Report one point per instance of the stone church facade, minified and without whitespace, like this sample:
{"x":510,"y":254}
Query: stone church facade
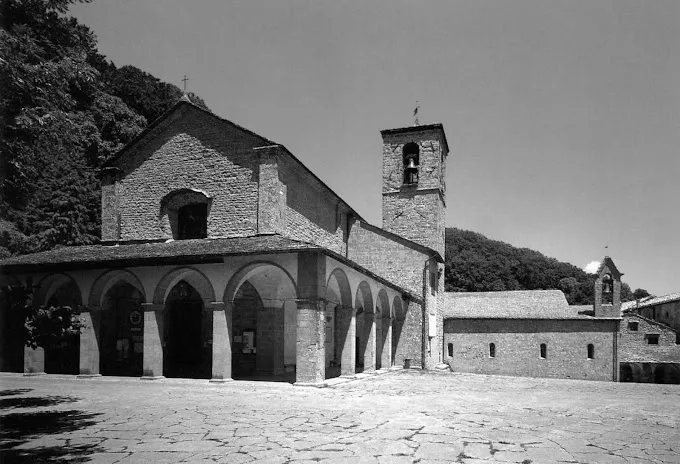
{"x":222,"y":256}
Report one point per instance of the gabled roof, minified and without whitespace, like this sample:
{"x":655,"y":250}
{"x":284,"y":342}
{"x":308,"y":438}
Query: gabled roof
{"x":650,"y":301}
{"x":522,"y":304}
{"x":404,"y":241}
{"x":631,"y":315}
{"x":609,"y":264}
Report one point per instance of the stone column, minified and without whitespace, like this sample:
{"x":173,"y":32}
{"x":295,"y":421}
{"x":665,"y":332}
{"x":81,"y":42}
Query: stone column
{"x":269,"y":337}
{"x":34,"y":361}
{"x":310,"y":358}
{"x":369,"y":331}
{"x":90,"y":318}
{"x":310,"y":352}
{"x":153,"y":341}
{"x":221,"y":345}
{"x":386,"y":355}
{"x":347,"y":331}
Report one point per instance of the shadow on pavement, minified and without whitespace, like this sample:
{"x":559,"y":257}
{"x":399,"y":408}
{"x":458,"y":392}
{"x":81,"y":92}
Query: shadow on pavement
{"x":16,"y":391}
{"x":18,"y":428}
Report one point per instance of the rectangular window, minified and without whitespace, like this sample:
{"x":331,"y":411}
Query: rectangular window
{"x":433,"y":283}
{"x":633,"y":326}
{"x":652,"y":339}
{"x":544,"y":351}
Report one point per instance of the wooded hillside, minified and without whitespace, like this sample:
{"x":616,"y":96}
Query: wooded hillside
{"x":475,"y":263}
{"x":64,"y":110}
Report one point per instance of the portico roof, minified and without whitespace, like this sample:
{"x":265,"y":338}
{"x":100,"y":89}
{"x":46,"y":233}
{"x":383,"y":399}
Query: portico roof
{"x":172,"y":252}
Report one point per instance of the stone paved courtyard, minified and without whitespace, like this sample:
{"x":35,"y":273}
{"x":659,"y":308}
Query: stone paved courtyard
{"x":396,"y":417}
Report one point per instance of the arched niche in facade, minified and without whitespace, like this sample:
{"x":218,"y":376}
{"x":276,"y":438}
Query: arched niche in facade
{"x":263,"y":296}
{"x":184,"y":214}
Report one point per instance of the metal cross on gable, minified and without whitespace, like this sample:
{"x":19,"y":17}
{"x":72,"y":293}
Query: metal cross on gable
{"x":185,"y":80}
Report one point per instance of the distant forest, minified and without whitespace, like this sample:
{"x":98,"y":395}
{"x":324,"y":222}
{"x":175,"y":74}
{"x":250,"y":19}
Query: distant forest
{"x":475,"y":263}
{"x":65,"y":109}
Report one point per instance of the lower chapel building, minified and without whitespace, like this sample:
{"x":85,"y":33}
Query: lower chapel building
{"x":223,"y":257}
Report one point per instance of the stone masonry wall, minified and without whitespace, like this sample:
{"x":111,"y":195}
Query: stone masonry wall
{"x":196,"y":151}
{"x":407,"y":338}
{"x":387,"y":257}
{"x":633,"y":346}
{"x":416,"y":212}
{"x":668,"y":313}
{"x":518,"y":347}
{"x":311,"y":212}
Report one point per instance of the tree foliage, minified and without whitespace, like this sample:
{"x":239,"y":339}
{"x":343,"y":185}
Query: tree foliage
{"x":64,"y":110}
{"x":44,"y":326}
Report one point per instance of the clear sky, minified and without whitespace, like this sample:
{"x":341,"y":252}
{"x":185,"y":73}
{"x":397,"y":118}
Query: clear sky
{"x":563,"y":117}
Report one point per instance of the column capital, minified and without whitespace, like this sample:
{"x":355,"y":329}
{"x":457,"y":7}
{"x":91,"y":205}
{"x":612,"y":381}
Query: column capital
{"x":216,"y":306}
{"x":308,"y":303}
{"x":149,"y":307}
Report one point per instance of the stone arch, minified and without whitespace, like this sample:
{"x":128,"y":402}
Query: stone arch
{"x":107,"y":280}
{"x":187,"y":295}
{"x":366,"y":328}
{"x":398,"y":316}
{"x":60,"y":290}
{"x":190,"y":275}
{"x":263,"y":296}
{"x":338,"y":319}
{"x":338,"y":289}
{"x":383,"y":330}
{"x":50,"y":284}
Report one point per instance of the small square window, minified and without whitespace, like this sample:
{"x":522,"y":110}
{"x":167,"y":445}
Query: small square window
{"x":633,"y":326}
{"x":652,"y":339}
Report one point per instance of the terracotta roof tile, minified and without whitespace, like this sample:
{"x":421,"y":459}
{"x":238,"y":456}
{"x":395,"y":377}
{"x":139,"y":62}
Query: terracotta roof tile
{"x":198,"y":248}
{"x":523,"y":304}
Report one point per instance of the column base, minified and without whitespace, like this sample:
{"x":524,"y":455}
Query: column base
{"x":348,"y":376}
{"x":221,"y":380}
{"x":154,"y":377}
{"x":34,"y":374}
{"x":87,"y":376}
{"x":310,"y":384}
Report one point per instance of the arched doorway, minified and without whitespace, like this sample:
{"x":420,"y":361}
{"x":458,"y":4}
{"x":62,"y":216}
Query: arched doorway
{"x":626,"y":373}
{"x":188,"y":330}
{"x":399,"y":315}
{"x":122,"y":331}
{"x":264,"y":323}
{"x":57,"y":290}
{"x":366,"y":336}
{"x":384,"y":331}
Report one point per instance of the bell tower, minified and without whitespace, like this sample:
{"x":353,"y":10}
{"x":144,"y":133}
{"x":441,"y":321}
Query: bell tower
{"x":414,"y":189}
{"x":608,"y":290}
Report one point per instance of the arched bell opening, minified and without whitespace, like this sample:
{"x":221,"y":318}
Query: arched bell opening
{"x":366,"y":336}
{"x":122,"y":334}
{"x":187,"y":334}
{"x":264,"y":323}
{"x":64,"y":357}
